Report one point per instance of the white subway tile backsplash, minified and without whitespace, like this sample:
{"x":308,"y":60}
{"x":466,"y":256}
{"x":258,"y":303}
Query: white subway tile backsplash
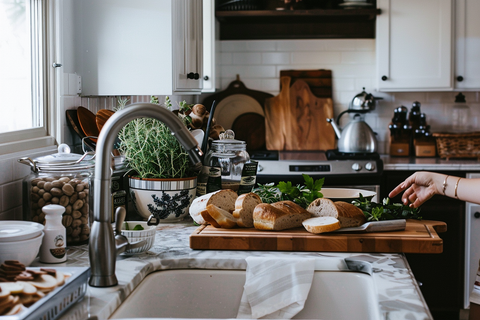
{"x":260,"y":45}
{"x":12,"y":195}
{"x":248,"y":71}
{"x":305,"y":58}
{"x":247,"y":58}
{"x":358,"y":58}
{"x":6,"y":171}
{"x":226,"y":58}
{"x":275,"y":58}
{"x":233,"y":46}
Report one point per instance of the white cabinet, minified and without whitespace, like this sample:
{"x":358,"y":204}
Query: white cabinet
{"x":141,"y":47}
{"x":414,"y":45}
{"x":210,"y":47}
{"x":467,"y":44}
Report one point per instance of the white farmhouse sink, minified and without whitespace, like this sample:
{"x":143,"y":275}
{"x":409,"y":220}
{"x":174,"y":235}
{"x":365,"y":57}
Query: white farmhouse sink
{"x":199,"y":293}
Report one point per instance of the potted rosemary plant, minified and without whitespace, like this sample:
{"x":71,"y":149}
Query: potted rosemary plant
{"x":162,"y":181}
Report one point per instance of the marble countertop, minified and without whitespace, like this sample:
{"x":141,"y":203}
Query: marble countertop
{"x":437,"y":164}
{"x":398,"y":293}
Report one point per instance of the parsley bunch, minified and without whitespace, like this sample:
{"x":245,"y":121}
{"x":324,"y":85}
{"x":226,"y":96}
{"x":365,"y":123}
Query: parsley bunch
{"x":302,"y":195}
{"x":386,"y":210}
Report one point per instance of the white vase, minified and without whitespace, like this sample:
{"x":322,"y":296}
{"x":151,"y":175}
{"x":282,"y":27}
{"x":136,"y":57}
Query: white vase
{"x":165,"y":200}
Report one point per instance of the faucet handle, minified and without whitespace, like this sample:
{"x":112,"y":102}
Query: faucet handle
{"x":120,"y":214}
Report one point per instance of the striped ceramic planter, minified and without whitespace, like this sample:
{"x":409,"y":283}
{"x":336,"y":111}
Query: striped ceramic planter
{"x":167,"y":200}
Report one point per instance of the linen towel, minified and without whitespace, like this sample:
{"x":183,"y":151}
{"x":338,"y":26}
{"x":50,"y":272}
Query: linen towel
{"x":275,"y":288}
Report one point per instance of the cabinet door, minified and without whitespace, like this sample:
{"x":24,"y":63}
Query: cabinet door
{"x":467,"y":44}
{"x":414,"y":45}
{"x":188,"y":43}
{"x":210,"y":47}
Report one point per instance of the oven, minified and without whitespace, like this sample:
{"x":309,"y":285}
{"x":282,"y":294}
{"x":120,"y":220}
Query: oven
{"x":345,"y":170}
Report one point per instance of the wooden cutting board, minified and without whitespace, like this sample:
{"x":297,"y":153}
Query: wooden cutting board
{"x":419,"y":236}
{"x":297,"y":120}
{"x":319,"y":81}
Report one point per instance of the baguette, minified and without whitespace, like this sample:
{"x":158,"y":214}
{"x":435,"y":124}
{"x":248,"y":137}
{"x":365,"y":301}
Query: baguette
{"x":348,"y":214}
{"x":321,"y":224}
{"x":224,"y":199}
{"x":244,"y":206}
{"x":208,"y":218}
{"x":279,"y":216}
{"x":223,"y":218}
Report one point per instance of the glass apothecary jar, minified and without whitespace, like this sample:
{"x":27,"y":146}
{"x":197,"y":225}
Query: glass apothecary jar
{"x":223,"y":164}
{"x":65,"y":179}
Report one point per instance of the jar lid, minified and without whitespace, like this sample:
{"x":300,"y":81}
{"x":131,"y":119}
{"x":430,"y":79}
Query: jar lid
{"x":63,"y":160}
{"x":19,"y":230}
{"x":228,"y":142}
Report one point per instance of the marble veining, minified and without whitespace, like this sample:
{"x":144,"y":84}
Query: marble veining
{"x":398,"y":293}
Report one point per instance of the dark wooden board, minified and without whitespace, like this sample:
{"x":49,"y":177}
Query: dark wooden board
{"x":419,"y":236}
{"x":319,"y":81}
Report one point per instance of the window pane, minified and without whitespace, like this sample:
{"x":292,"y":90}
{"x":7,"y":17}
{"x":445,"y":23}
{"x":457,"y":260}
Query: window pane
{"x":18,"y":39}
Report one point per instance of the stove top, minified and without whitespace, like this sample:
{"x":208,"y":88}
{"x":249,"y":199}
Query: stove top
{"x":331,"y":162}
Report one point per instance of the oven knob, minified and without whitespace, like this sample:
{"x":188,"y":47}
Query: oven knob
{"x":356,"y":166}
{"x":370,"y":166}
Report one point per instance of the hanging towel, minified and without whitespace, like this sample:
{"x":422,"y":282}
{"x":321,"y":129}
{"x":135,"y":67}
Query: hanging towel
{"x":275,"y":288}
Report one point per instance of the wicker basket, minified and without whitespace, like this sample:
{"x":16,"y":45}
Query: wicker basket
{"x":458,"y":145}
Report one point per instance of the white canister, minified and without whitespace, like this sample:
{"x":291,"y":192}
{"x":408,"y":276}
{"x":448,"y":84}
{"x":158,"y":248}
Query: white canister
{"x":53,"y":249}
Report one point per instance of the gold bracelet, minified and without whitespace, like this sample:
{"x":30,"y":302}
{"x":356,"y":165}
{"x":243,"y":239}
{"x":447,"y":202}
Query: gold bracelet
{"x":456,"y":186}
{"x":445,"y":185}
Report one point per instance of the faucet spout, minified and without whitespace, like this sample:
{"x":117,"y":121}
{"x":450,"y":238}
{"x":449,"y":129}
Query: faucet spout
{"x":102,"y":247}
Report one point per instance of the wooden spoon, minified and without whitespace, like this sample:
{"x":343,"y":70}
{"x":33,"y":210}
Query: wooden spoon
{"x":102,"y":117}
{"x":88,"y":122}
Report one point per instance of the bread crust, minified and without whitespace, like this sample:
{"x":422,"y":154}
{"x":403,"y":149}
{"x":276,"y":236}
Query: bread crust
{"x":279,"y":216}
{"x":348,"y":214}
{"x":224,"y":199}
{"x":321,"y":224}
{"x":223,"y":218}
{"x":244,"y":206}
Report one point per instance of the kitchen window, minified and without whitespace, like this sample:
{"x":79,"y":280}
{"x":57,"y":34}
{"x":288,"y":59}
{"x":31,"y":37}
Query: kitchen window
{"x":26,"y":82}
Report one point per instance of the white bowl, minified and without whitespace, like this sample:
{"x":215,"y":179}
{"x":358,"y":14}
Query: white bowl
{"x":148,"y":234}
{"x":24,"y":251}
{"x":345,"y":194}
{"x":15,"y":230}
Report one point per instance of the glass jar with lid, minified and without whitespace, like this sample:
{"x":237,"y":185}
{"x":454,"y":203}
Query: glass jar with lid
{"x":65,"y":179}
{"x":224,"y":165}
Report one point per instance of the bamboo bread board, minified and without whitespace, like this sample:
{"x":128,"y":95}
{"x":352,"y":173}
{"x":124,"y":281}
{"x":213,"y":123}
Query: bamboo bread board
{"x":419,"y":236}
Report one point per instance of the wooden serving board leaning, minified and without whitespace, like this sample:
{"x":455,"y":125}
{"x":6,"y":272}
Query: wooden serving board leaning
{"x":419,"y":236}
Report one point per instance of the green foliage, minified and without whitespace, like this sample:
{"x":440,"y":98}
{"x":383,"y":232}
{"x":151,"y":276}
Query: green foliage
{"x":152,"y":151}
{"x":301,"y":195}
{"x":385,"y":211}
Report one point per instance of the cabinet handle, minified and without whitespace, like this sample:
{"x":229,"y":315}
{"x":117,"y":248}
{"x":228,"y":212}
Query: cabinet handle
{"x":192,"y":75}
{"x":206,"y":78}
{"x":476,"y":214}
{"x":459,"y":78}
{"x":384,"y":78}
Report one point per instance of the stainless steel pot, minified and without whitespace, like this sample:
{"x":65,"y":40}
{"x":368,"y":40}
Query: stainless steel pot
{"x":356,"y":137}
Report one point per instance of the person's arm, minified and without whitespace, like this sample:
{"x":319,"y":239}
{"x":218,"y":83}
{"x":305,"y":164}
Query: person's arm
{"x":422,"y":185}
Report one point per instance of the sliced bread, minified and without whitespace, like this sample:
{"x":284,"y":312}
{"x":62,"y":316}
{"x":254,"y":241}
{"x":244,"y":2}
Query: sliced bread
{"x":348,"y":214}
{"x":279,"y":215}
{"x":321,"y":224}
{"x":224,"y":199}
{"x":222,"y":217}
{"x":244,"y":206}
{"x":208,"y":218}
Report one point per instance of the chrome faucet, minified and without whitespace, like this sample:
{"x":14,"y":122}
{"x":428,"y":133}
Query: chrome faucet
{"x":103,"y":244}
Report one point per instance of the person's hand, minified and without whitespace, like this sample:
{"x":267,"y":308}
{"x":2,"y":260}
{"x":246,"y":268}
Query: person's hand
{"x":418,"y":188}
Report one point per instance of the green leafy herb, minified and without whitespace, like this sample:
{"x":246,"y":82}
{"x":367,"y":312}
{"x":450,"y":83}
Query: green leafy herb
{"x":138,"y":227}
{"x":126,"y":226}
{"x":302,"y":195}
{"x":386,"y":210}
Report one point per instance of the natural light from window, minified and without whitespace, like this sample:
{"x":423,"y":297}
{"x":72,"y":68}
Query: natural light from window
{"x":16,"y":66}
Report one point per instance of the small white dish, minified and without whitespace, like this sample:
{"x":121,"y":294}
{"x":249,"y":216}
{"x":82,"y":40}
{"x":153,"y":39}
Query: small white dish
{"x":147,"y":234}
{"x":13,"y":230}
{"x":25,"y":251}
{"x":346,"y":194}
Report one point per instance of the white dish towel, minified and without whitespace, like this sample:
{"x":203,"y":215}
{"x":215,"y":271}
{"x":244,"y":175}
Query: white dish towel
{"x":275,"y":288}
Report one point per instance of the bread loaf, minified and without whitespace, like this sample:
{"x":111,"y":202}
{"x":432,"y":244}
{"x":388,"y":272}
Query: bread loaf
{"x":348,"y":214}
{"x":279,"y":215}
{"x":224,"y":199}
{"x":321,"y":224}
{"x":223,"y":218}
{"x":244,"y":206}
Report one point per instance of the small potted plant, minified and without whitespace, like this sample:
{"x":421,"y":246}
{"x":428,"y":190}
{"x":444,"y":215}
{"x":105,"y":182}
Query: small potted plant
{"x":162,"y":181}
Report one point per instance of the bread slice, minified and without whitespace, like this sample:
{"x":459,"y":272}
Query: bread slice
{"x":321,"y":224}
{"x":348,"y":214}
{"x":244,"y":207}
{"x":279,"y":215}
{"x":208,"y":218}
{"x":223,"y":218}
{"x":224,"y":199}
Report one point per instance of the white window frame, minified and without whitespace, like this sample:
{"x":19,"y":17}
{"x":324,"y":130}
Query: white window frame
{"x":49,"y":50}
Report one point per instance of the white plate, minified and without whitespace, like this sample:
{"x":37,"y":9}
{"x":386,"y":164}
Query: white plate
{"x":229,"y":108}
{"x":19,"y":230}
{"x":346,"y":194}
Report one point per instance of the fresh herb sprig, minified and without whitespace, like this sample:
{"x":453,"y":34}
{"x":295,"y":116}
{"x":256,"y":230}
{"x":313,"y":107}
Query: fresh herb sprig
{"x":302,"y":195}
{"x":386,"y":210}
